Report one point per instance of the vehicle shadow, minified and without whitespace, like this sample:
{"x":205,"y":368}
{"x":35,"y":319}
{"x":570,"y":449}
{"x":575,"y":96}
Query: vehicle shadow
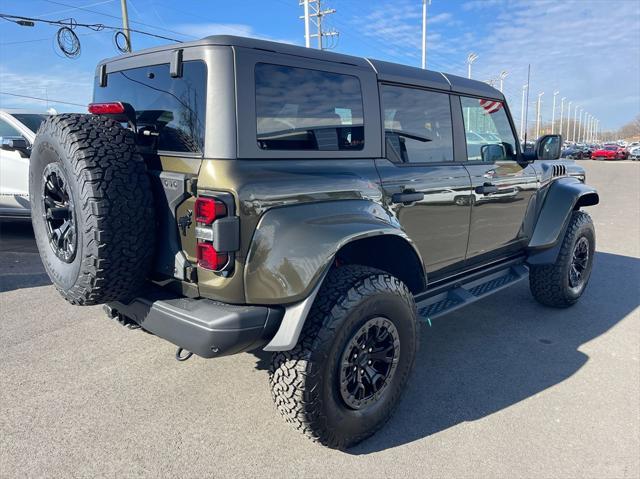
{"x":20,"y":265}
{"x":502,"y":350}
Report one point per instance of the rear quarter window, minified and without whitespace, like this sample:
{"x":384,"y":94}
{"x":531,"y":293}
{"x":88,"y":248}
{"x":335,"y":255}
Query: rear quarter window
{"x":173,"y":107}
{"x":304,"y":109}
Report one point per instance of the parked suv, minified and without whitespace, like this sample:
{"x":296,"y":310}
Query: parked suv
{"x":231,"y":194}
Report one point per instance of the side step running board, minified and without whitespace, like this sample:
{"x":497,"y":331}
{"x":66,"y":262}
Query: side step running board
{"x":464,"y":293}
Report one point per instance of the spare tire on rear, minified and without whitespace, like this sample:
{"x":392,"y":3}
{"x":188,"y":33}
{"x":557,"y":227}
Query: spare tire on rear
{"x":91,"y":208}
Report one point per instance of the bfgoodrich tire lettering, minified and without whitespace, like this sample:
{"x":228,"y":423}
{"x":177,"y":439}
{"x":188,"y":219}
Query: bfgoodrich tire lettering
{"x":111,"y":204}
{"x":553,"y":285}
{"x":305,"y":381}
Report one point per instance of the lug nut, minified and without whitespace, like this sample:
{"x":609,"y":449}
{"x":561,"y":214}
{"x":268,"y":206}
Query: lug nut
{"x":355,"y":355}
{"x":369,"y":362}
{"x":370,"y":349}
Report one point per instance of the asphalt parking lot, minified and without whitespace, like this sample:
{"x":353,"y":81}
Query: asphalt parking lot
{"x":505,"y":388}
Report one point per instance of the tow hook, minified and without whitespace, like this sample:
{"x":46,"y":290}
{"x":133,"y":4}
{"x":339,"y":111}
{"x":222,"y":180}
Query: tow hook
{"x":180,"y":356}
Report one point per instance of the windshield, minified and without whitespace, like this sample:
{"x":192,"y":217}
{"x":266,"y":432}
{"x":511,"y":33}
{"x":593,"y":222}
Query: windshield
{"x":611,"y":148}
{"x":30,"y":120}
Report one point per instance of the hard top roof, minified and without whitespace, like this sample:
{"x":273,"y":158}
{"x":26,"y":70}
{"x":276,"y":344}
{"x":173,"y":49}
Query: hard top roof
{"x":386,"y":71}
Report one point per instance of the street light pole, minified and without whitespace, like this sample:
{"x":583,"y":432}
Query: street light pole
{"x":580,"y":125}
{"x":538,"y":115}
{"x":568,"y":119}
{"x":522,"y":125}
{"x":424,"y":32}
{"x":472,"y":57}
{"x":503,"y":74}
{"x":562,"y":111}
{"x":575,"y":122}
{"x":553,"y":111}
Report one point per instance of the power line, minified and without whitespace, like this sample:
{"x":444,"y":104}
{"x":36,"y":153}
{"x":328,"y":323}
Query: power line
{"x":42,"y":99}
{"x":119,"y":18}
{"x":71,"y":24}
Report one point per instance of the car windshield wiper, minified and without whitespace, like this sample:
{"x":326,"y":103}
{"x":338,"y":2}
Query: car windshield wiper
{"x":405,"y":134}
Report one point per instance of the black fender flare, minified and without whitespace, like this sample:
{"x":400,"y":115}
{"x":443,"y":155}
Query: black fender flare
{"x":564,"y":196}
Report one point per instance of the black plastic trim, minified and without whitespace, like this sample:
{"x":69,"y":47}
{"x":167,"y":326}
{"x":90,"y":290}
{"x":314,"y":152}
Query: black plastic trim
{"x":202,"y":326}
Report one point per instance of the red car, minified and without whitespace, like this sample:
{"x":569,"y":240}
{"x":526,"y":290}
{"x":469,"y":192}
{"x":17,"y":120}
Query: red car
{"x":609,"y":152}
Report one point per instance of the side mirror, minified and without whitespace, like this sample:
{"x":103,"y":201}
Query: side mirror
{"x":492,"y":152}
{"x":548,"y":147}
{"x":15,"y":143}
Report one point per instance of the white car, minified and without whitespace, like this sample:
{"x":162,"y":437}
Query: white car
{"x":634,"y":153}
{"x":17,"y":131}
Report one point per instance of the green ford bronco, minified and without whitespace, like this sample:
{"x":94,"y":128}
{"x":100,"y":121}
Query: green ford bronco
{"x":231,"y":194}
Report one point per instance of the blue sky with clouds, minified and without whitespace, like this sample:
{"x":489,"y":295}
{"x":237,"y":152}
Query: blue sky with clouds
{"x":589,"y":50}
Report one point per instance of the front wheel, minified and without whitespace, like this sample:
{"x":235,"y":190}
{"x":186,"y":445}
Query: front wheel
{"x":562,"y":283}
{"x":343,"y":379}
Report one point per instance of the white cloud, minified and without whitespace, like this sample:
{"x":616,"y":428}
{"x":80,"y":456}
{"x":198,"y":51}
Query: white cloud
{"x":572,"y":49}
{"x":53,"y":84}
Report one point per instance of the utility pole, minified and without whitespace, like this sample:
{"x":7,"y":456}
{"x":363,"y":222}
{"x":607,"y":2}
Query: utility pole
{"x":472,"y":57}
{"x":538,"y":115}
{"x":522,"y":125}
{"x":553,"y":112}
{"x":562,"y":111}
{"x":125,"y":23}
{"x":425,"y":3}
{"x":313,"y":12}
{"x":307,"y":38}
{"x":503,"y":74}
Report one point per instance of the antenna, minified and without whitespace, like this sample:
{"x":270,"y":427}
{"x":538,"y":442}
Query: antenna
{"x":526,"y":111}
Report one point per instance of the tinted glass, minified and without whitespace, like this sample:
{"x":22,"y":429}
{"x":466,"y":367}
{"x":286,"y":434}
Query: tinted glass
{"x":174,"y":107}
{"x":417,"y":125}
{"x":30,"y":120}
{"x":486,"y":123}
{"x":7,"y":130}
{"x":302,"y":109}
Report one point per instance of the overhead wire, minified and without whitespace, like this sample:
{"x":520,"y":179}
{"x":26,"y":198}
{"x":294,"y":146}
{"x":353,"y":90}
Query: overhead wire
{"x":49,"y":100}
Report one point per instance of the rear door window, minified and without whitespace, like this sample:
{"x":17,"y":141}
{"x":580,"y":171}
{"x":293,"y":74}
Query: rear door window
{"x":486,"y":123}
{"x":172,"y":107}
{"x":304,"y":109}
{"x":417,"y":125}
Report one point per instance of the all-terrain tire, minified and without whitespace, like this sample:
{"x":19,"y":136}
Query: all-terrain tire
{"x":551,"y":284}
{"x":305,"y":380}
{"x":93,"y":161}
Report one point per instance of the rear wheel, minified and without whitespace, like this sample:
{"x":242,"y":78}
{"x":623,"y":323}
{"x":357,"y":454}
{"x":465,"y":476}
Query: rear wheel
{"x":342,"y":381}
{"x":91,"y":208}
{"x":561,"y":284}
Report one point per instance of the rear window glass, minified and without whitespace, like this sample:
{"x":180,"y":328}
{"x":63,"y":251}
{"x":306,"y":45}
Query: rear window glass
{"x":302,"y":109}
{"x":172,"y":107}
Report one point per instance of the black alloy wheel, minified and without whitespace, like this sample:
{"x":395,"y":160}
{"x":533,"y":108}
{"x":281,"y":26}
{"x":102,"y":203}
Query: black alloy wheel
{"x":369,"y":362}
{"x":58,"y":213}
{"x":579,"y":264}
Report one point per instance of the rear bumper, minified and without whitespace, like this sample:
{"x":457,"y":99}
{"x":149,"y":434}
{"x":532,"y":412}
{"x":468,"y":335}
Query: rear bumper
{"x":204,"y":327}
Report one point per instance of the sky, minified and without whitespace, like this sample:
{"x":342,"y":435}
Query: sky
{"x":587,"y":50}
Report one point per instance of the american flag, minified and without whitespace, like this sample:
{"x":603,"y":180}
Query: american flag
{"x":491,"y":106}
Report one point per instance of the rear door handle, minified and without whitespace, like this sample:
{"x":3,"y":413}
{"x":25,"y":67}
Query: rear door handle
{"x":486,"y":189}
{"x":407,"y":197}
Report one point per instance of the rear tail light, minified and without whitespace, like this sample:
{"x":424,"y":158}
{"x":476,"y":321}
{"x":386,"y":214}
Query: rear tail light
{"x":208,"y":209}
{"x":209,"y":258}
{"x":113,"y":108}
